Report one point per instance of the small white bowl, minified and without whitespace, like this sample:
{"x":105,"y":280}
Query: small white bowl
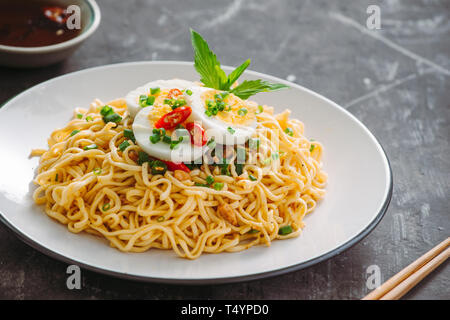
{"x":28,"y":57}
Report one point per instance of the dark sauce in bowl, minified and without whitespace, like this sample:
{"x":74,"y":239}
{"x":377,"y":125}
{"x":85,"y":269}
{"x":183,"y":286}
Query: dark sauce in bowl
{"x":25,"y":23}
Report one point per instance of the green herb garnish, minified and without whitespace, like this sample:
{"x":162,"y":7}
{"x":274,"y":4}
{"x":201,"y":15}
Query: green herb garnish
{"x":260,"y":109}
{"x":124,"y":145}
{"x":91,"y":147}
{"x":97,"y":171}
{"x":74,"y":132}
{"x":252,"y":177}
{"x":289,"y":131}
{"x":209,"y":179}
{"x":160,"y":219}
{"x":285,"y":230}
{"x":79,"y":115}
{"x":155,"y":90}
{"x":312,"y":148}
{"x":242,"y":112}
{"x":106,"y":207}
{"x":175,"y":143}
{"x":127,"y":133}
{"x":156,"y":137}
{"x":109,"y":115}
{"x":143,"y":157}
{"x":218,"y":186}
{"x":231,"y":130}
{"x":254,"y":143}
{"x":212,"y":75}
{"x":158,"y":167}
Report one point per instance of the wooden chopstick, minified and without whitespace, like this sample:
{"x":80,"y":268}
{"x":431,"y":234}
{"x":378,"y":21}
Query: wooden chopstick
{"x":406,"y":279}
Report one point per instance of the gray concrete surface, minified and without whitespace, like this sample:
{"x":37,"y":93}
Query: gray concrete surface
{"x":395,"y":80}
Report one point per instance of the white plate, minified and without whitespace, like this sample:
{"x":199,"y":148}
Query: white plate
{"x":358,"y":191}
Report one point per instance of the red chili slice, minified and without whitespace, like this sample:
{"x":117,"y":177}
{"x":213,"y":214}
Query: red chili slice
{"x":198,"y":135}
{"x":172,"y":166}
{"x":173,"y":93}
{"x":172,"y":119}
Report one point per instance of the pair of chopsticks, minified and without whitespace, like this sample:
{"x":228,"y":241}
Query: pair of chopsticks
{"x":405,"y":280}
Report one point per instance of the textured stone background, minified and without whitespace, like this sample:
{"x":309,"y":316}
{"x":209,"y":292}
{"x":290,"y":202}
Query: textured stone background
{"x":395,"y":80}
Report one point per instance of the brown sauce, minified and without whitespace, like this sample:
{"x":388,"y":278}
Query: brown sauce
{"x":25,"y":23}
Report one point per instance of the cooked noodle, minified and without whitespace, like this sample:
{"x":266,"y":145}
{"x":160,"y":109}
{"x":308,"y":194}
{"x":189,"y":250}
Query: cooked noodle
{"x":105,"y":192}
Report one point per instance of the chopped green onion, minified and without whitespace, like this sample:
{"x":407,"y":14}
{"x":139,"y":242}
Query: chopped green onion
{"x":252,"y":177}
{"x":79,"y":115}
{"x":160,"y":131}
{"x":218,"y":186}
{"x":224,"y":94}
{"x":289,"y":131}
{"x":239,"y":168}
{"x":143,"y":100}
{"x":91,"y":147}
{"x":56,"y":177}
{"x":224,"y":170}
{"x":160,"y":219}
{"x":188,"y":92}
{"x":113,"y":117}
{"x":106,"y":110}
{"x":221,"y":106}
{"x":150,"y":100}
{"x":74,"y":132}
{"x":89,"y":118}
{"x":197,"y":184}
{"x":166,"y":139}
{"x":285,"y":230}
{"x":127,"y":133}
{"x":253,"y":231}
{"x":211,"y":143}
{"x":178,"y":103}
{"x":209,"y":179}
{"x":158,"y":167}
{"x":175,"y":143}
{"x":155,"y":138}
{"x":106,"y":207}
{"x":254,"y":143}
{"x":97,"y":171}
{"x":260,"y":109}
{"x":242,"y":112}
{"x":124,"y":145}
{"x":231,"y":130}
{"x":312,"y":148}
{"x":155,"y":90}
{"x":143,"y":157}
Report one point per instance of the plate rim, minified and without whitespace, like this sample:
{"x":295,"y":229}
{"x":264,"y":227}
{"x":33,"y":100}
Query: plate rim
{"x":217,"y":280}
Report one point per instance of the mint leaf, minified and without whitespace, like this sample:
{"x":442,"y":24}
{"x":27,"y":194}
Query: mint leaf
{"x":212,"y":75}
{"x":251,"y":87}
{"x":206,"y":63}
{"x":232,"y":77}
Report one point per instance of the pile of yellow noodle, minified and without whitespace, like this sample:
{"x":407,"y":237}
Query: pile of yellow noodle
{"x":145,"y":211}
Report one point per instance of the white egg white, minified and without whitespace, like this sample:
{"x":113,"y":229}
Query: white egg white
{"x":143,"y":129}
{"x":217,"y":128}
{"x":132,"y":98}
